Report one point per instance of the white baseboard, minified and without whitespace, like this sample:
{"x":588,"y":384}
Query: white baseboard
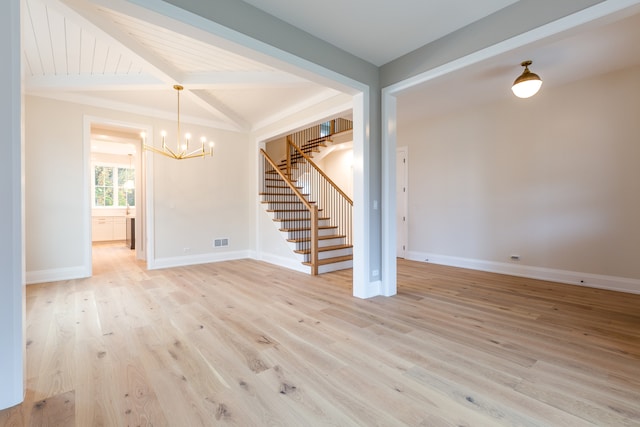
{"x":56,"y":275}
{"x":371,"y":289}
{"x":182,"y":261}
{"x":611,"y":283}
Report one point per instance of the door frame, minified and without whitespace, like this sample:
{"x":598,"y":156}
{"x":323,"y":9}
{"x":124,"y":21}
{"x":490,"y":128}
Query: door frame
{"x":403,"y":198}
{"x":143,"y":191}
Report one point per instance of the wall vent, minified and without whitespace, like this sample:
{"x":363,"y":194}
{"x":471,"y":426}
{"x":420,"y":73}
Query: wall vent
{"x":219,"y":243}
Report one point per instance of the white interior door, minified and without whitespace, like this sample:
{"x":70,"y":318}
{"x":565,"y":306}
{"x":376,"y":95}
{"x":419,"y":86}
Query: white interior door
{"x":401,"y":201}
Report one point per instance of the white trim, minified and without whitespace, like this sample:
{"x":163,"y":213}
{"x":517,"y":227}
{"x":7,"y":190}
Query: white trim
{"x":611,"y":283}
{"x":370,"y":289}
{"x":207,"y":258}
{"x":389,"y":111}
{"x":144,"y":194}
{"x":388,"y":202}
{"x":12,"y":214}
{"x":149,"y":225}
{"x":56,"y":275}
{"x":405,"y":199}
{"x":361,"y":196}
{"x":86,"y":197}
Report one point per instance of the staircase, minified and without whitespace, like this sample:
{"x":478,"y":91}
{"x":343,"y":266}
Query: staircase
{"x":313,"y":215}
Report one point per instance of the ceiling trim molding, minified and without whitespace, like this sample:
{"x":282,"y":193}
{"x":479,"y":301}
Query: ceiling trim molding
{"x":93,"y":82}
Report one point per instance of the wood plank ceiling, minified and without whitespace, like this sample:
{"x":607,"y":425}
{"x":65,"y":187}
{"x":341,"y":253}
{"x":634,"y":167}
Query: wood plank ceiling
{"x":77,"y":51}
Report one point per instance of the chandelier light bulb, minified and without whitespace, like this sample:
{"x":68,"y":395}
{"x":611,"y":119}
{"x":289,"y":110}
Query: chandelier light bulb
{"x":182,"y":147}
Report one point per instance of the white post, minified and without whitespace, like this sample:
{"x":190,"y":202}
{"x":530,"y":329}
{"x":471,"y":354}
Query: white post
{"x":12,"y":291}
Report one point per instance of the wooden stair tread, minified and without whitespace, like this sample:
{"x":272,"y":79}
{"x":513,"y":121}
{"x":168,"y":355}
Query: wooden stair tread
{"x":288,"y":210}
{"x":324,"y":249}
{"x":279,"y":179}
{"x":284,"y":201}
{"x":282,"y":186}
{"x":298,"y":219}
{"x":320,"y":227}
{"x":307,"y":239}
{"x":331,"y":260}
{"x":282,"y":194}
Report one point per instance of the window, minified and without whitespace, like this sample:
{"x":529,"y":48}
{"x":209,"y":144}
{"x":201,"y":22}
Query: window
{"x":110,"y":187}
{"x":325,"y":128}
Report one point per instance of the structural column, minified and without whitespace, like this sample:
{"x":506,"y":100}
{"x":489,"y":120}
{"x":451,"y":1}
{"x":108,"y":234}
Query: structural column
{"x":12,"y":291}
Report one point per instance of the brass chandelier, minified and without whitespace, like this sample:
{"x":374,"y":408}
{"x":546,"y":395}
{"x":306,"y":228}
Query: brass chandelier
{"x":182,"y":147}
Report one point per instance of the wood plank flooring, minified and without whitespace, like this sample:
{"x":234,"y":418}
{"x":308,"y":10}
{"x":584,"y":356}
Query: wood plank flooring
{"x":246,"y":343}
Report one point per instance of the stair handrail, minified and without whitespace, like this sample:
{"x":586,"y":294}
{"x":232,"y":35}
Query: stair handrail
{"x":313,"y":213}
{"x":334,"y":201}
{"x":308,"y":159}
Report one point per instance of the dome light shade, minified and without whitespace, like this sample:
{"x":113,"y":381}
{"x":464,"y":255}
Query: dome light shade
{"x":527,"y":84}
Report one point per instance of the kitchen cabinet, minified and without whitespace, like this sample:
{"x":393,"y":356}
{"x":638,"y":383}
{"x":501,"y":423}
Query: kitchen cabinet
{"x":106,"y":228}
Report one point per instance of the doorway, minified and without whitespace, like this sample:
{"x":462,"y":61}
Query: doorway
{"x":116,"y":187}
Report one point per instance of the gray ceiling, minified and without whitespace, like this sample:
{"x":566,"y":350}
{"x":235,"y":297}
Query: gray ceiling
{"x":81,"y":51}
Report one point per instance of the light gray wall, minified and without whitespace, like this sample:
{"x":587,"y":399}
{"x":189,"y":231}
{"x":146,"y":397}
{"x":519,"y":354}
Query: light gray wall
{"x":553,"y":179}
{"x":195,"y":200}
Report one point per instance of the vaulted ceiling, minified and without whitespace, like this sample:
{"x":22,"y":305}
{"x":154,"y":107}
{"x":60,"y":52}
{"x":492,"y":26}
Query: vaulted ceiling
{"x":99,"y":53}
{"x":84,"y":51}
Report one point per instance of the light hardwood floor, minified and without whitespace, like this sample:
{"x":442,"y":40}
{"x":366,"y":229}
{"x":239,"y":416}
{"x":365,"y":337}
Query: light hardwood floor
{"x":248,"y":344}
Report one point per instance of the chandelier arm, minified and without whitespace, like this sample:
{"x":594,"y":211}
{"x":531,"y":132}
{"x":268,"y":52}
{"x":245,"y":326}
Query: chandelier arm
{"x":182,"y":150}
{"x":196,"y":153}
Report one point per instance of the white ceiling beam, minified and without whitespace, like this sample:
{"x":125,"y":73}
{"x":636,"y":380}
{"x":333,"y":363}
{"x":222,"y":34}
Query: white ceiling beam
{"x":134,"y":109}
{"x":211,"y":104}
{"x":241,"y":79}
{"x":159,"y":68}
{"x":93,"y":82}
{"x":108,"y":29}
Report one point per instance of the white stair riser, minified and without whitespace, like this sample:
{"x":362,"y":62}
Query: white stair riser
{"x":343,"y":265}
{"x":322,"y":243}
{"x":299,"y":223}
{"x":329,"y":254}
{"x":293,"y":215}
{"x":335,"y":253}
{"x":284,"y":197}
{"x":303,"y":234}
{"x":281,"y":206}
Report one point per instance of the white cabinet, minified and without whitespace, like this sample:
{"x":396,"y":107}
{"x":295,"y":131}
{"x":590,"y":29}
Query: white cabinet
{"x":105,"y":228}
{"x":119,"y":228}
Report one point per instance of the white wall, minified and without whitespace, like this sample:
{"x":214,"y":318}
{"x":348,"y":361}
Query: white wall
{"x":195,"y":200}
{"x":553,"y":179}
{"x":338,"y":165}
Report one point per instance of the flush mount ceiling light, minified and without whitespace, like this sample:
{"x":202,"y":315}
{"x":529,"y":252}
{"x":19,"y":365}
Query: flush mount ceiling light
{"x":182,"y":148}
{"x":527,"y":84}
